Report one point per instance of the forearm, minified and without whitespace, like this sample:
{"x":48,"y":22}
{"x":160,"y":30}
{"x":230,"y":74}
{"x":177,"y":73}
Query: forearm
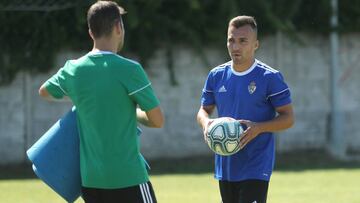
{"x":279,"y":123}
{"x":284,"y":120}
{"x":153,"y":118}
{"x":203,"y":116}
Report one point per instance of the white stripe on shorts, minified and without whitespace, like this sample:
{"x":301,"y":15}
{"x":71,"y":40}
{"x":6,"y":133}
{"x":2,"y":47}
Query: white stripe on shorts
{"x":148,"y":191}
{"x":142,"y":193}
{"x":145,"y":192}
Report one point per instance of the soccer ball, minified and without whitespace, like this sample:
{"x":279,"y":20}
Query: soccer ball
{"x":223,"y":136}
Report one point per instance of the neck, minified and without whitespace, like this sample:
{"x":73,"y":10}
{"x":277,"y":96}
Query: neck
{"x":105,"y":44}
{"x":240,"y":67}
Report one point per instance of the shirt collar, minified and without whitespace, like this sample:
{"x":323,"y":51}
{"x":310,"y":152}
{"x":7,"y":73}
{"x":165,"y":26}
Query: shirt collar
{"x":244,"y":72}
{"x":97,"y":52}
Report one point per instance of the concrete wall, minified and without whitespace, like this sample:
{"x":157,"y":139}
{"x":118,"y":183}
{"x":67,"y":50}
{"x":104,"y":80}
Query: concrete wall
{"x":24,"y":117}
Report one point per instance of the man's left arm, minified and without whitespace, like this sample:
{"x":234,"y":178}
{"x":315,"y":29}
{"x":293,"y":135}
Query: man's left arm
{"x":152,"y":118}
{"x":284,"y":120}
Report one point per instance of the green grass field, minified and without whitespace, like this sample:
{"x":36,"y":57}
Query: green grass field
{"x":295,"y":180}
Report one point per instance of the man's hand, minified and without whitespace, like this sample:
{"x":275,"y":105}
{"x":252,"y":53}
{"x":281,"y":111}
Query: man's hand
{"x":203,"y":118}
{"x":206,"y":127}
{"x":252,"y":131}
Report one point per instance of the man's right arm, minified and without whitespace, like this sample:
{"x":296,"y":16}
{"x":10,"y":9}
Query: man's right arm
{"x":203,"y":117}
{"x":153,"y":118}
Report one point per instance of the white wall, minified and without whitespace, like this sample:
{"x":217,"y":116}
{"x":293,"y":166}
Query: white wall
{"x":24,"y":117}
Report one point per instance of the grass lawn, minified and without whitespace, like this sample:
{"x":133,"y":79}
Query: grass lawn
{"x":294,"y":180}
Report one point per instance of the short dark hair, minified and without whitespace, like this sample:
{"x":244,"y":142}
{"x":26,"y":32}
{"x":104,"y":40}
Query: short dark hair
{"x":240,"y":21}
{"x":102,"y":16}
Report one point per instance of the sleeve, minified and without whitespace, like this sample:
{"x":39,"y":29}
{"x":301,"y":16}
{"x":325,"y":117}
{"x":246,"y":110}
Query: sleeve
{"x":278,"y":92}
{"x":56,"y":84}
{"x":140,"y":89}
{"x":208,"y":97}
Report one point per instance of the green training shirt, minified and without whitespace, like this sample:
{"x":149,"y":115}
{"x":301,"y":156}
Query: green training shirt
{"x":106,"y":89}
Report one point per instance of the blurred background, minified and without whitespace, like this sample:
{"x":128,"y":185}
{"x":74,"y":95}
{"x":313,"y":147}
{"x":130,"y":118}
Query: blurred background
{"x":315,"y":44}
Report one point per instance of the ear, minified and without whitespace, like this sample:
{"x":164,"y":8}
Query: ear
{"x":257,"y":44}
{"x":118,"y":28}
{"x":91,"y":34}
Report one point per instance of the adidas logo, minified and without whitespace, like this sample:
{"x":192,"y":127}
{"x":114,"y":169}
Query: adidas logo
{"x":222,"y":89}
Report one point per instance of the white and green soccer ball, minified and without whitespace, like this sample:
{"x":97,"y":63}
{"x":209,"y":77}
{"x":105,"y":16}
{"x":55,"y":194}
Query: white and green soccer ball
{"x":223,"y":136}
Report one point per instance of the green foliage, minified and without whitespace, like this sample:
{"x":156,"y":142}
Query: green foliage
{"x":31,"y":38}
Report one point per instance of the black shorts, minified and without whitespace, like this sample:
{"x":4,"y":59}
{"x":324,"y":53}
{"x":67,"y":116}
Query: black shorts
{"x":248,"y":191}
{"x":142,"y":193}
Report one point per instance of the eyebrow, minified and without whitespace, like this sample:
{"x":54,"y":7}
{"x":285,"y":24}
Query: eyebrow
{"x":231,"y":37}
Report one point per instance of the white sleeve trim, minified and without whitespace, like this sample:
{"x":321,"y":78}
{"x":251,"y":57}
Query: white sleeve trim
{"x":131,"y":93}
{"x":205,"y":90}
{"x":277,"y":93}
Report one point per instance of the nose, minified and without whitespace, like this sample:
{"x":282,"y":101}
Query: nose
{"x":235,"y":46}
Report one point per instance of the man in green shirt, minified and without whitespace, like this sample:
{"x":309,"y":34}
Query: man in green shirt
{"x":107,"y":89}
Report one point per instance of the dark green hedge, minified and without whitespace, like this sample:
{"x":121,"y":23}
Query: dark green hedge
{"x":30,"y":39}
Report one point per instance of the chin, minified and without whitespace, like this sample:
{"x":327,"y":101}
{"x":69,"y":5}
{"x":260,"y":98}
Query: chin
{"x":237,"y":61}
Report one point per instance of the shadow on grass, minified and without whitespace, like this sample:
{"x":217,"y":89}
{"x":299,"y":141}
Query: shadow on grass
{"x":23,"y":171}
{"x":311,"y":160}
{"x":292,"y":161}
{"x":194,"y":165}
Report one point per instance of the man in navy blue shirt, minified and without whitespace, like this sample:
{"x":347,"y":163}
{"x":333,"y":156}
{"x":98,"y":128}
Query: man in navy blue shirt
{"x":255,"y":94}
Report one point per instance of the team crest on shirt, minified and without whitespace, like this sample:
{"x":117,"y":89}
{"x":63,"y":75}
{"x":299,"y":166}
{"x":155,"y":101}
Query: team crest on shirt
{"x":252,"y":87}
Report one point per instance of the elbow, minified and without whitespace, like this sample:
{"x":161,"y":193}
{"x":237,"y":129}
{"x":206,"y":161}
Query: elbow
{"x":43,"y":92}
{"x":159,"y":120}
{"x":158,"y":124}
{"x":154,"y":118}
{"x":291,"y":122}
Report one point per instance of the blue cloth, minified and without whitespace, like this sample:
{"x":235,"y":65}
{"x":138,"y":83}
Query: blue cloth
{"x":250,"y":95}
{"x":56,"y":157}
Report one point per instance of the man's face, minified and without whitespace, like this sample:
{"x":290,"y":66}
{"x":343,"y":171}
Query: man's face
{"x":242,"y":43}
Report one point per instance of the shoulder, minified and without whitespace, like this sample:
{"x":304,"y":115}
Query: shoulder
{"x":265,"y":69}
{"x":77,"y":63}
{"x":124,"y":62}
{"x":108,"y":57}
{"x":220,"y":68}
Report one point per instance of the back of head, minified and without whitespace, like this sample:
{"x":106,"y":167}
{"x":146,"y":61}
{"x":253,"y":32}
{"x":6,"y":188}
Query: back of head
{"x":240,"y":21}
{"x":102,"y":16}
